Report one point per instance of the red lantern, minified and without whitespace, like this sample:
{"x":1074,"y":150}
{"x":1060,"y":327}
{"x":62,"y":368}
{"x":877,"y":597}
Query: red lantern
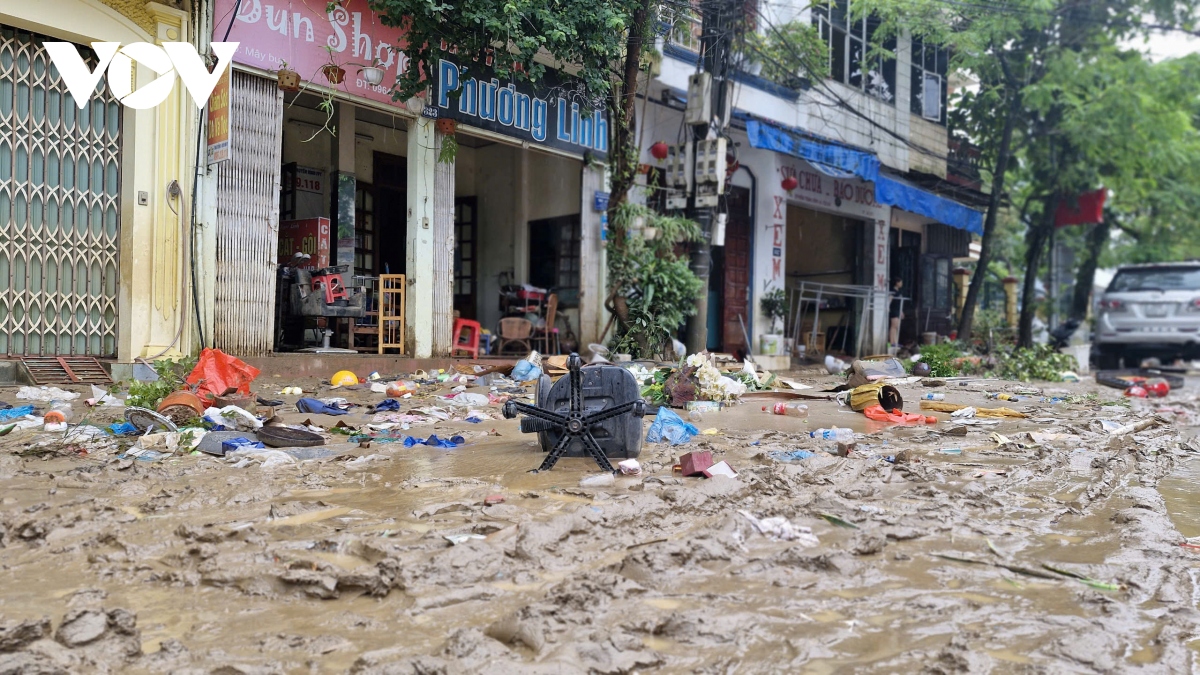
{"x":790,"y":183}
{"x":659,"y":150}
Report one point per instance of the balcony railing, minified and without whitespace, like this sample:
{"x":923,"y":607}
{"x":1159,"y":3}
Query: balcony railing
{"x":962,"y":163}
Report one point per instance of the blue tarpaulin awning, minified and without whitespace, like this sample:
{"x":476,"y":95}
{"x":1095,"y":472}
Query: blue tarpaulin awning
{"x":913,"y":199}
{"x":769,"y":137}
{"x":836,"y":159}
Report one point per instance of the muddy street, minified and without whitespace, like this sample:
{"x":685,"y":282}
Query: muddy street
{"x":1054,"y":543}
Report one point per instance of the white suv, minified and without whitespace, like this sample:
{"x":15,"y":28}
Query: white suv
{"x":1150,"y":310}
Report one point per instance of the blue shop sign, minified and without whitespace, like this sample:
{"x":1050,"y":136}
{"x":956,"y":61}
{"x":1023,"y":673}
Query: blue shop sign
{"x":523,"y":110}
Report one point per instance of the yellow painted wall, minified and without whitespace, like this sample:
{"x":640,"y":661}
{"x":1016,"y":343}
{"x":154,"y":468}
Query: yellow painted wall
{"x":157,"y":148}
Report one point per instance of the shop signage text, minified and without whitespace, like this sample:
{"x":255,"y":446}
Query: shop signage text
{"x":218,"y":121}
{"x":298,"y":33}
{"x":843,"y":195}
{"x":352,"y":36}
{"x":516,"y":109}
{"x":168,"y":60}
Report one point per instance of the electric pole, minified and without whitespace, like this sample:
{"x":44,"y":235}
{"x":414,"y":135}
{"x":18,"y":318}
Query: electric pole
{"x":708,"y":115}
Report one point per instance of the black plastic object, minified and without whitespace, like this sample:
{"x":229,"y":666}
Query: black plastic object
{"x":1123,"y":379}
{"x":595,"y":411}
{"x":286,"y":437}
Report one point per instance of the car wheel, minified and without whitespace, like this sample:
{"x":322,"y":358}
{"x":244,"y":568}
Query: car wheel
{"x":1110,"y":358}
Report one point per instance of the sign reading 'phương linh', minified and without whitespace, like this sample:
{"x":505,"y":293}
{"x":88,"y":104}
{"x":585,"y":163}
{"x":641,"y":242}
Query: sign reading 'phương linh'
{"x":528,"y":111}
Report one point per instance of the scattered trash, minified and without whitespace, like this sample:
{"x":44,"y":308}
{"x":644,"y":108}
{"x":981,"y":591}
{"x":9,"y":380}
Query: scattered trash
{"x":704,"y":406}
{"x":343,"y":378}
{"x":630,"y":467}
{"x":979,"y":412}
{"x":964,"y":413}
{"x":292,"y":391}
{"x":525,"y":370}
{"x":834,"y":520}
{"x":667,"y":425}
{"x":14,"y":413}
{"x":695,"y":463}
{"x":387,"y":404}
{"x":1069,"y":376}
{"x":876,"y":394}
{"x":45,"y":394}
{"x":470,"y":400}
{"x":148,"y":420}
{"x":456,"y":539}
{"x":791,"y":455}
{"x":933,"y":397}
{"x":897,"y":416}
{"x":778,"y":528}
{"x":1004,"y":397}
{"x":288,"y":437}
{"x":950,"y":451}
{"x":865,"y":372}
{"x":312,"y":405}
{"x":834,"y":365}
{"x":219,"y":374}
{"x":101,"y":397}
{"x":239,"y":443}
{"x":492,"y":500}
{"x":234,"y":417}
{"x":720,"y":469}
{"x":435,"y":442}
{"x":1136,"y":392}
{"x":597,"y":480}
{"x":835,"y":434}
{"x":798,"y":410}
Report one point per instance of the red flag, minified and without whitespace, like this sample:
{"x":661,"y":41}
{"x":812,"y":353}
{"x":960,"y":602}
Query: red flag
{"x":1088,"y":208}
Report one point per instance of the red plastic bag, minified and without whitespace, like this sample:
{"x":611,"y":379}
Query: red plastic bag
{"x":897,"y":416}
{"x":217,"y":372}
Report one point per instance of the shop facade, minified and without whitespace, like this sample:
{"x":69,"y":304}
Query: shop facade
{"x":94,"y":247}
{"x":512,"y":203}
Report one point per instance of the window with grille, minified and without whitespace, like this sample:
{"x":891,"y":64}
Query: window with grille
{"x":849,"y":42}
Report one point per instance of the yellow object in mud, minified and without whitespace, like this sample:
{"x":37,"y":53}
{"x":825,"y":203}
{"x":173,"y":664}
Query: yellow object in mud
{"x":343,"y":378}
{"x":876,"y":393}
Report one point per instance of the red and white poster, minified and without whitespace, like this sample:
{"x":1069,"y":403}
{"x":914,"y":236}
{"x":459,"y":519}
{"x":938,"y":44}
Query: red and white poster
{"x":310,"y":236}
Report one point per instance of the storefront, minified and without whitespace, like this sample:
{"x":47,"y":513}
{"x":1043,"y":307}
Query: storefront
{"x":94,"y":250}
{"x":510,"y":203}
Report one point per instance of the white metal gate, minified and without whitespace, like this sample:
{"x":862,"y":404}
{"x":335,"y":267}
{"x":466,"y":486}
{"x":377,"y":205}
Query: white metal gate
{"x":59,"y":208}
{"x":248,"y":219}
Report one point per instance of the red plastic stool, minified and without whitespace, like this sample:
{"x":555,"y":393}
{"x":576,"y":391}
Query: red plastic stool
{"x":331,"y":284}
{"x":471,"y":344}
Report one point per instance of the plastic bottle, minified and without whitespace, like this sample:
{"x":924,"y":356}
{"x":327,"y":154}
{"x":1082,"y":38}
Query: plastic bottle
{"x":1004,"y":397}
{"x":835,"y":434}
{"x":933,"y":397}
{"x":790,"y":409}
{"x":695,"y":417}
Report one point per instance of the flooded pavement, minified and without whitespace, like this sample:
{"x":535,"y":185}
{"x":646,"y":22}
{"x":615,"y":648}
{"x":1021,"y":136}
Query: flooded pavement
{"x":1053,"y":548}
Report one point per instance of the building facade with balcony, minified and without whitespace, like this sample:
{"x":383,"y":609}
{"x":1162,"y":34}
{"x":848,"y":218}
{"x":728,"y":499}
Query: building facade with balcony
{"x":850,"y":181}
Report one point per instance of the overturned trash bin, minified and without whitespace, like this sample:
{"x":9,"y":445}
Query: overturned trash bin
{"x":594,"y":411}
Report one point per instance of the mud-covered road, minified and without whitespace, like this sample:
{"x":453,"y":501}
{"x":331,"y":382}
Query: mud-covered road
{"x":935,"y":562}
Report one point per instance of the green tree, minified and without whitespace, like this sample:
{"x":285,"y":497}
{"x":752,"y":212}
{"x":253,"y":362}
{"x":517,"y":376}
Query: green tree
{"x":1022,"y":54}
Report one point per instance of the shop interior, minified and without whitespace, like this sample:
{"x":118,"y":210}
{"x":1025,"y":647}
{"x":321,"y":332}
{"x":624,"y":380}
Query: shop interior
{"x":516,"y":225}
{"x":824,"y":248}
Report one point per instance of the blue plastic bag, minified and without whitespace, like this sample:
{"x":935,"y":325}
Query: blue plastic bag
{"x":312,"y":405}
{"x":434,"y":441}
{"x":240,"y":443}
{"x":387,"y":404}
{"x":122,"y":429}
{"x":525,"y":371}
{"x":667,"y":425}
{"x":14,"y":413}
{"x":791,"y":456}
